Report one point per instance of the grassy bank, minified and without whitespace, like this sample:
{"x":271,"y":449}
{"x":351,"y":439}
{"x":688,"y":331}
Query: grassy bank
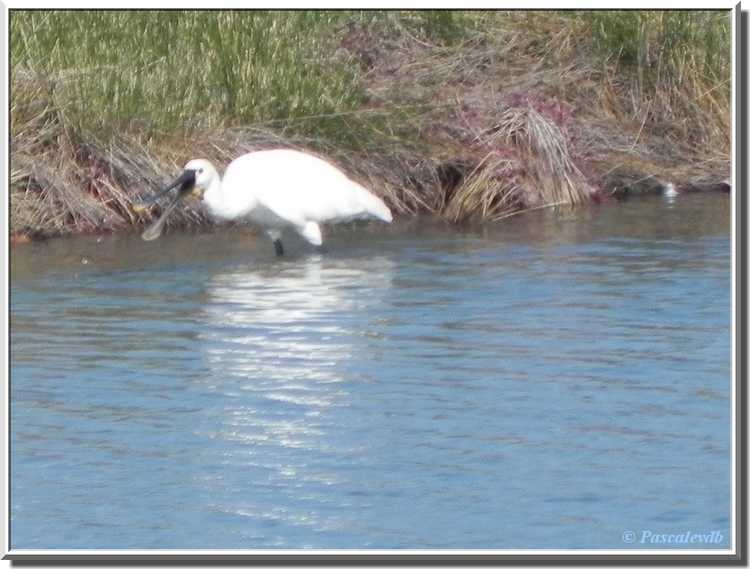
{"x":459,"y":114}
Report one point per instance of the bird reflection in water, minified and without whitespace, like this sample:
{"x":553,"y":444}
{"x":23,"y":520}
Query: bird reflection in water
{"x":279,"y":341}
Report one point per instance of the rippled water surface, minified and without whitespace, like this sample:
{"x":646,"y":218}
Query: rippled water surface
{"x":548,"y":382}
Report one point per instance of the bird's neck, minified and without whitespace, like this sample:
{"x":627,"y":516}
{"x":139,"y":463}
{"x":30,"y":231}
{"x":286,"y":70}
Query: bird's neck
{"x":213,"y":197}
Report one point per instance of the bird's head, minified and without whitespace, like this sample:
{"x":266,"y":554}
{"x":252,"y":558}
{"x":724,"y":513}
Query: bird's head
{"x":201,"y":174}
{"x":195,"y":179}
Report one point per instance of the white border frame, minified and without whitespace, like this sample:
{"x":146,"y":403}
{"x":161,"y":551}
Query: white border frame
{"x":124,"y":554}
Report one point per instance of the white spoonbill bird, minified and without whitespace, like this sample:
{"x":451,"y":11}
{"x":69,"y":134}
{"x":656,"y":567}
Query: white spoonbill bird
{"x":275,"y":189}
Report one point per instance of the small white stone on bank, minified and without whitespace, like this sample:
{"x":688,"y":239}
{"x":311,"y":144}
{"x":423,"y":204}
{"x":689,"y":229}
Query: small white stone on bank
{"x":669,"y":190}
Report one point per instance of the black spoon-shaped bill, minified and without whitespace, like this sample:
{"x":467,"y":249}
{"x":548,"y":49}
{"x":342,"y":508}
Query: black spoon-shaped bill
{"x":185,"y":181}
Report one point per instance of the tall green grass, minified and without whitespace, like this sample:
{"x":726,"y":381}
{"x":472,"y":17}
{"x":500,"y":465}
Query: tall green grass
{"x":664,"y":44}
{"x":159,"y":71}
{"x":156,"y":72}
{"x":677,"y":65}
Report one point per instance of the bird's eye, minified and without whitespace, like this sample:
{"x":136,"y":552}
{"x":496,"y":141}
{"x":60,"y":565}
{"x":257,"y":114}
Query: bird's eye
{"x":200,"y":170}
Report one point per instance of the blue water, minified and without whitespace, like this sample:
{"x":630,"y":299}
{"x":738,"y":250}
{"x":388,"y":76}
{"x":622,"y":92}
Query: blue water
{"x":548,"y":382}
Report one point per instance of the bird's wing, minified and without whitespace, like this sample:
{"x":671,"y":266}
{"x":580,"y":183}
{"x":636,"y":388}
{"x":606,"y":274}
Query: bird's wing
{"x":299,"y":188}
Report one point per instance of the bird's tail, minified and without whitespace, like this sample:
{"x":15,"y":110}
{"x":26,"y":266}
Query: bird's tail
{"x":381,"y":211}
{"x":377,"y":208}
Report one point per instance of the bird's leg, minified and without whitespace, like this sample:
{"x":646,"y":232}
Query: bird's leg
{"x":275,"y":235}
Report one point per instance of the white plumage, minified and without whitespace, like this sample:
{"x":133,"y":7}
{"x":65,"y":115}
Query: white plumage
{"x":277,"y":190}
